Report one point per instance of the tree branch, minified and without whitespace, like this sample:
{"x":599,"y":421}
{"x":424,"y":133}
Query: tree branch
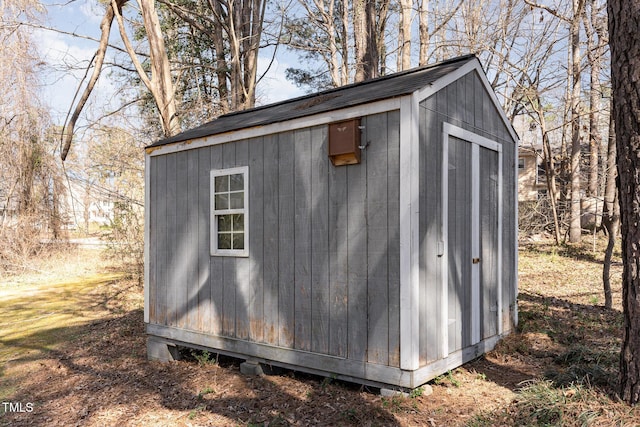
{"x":67,"y":130}
{"x":129,"y":48}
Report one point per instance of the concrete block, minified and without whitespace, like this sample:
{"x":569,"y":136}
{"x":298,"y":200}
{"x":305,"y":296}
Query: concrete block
{"x":427,"y":390}
{"x":387,"y":392}
{"x":161,"y":350}
{"x":251,"y":367}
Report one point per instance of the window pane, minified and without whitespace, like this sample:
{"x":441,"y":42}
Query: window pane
{"x":238,"y":222}
{"x":222,"y":183}
{"x":238,"y":240}
{"x":237,"y":182}
{"x":237,"y":200}
{"x":224,"y":223}
{"x":224,"y":241}
{"x":222,"y":201}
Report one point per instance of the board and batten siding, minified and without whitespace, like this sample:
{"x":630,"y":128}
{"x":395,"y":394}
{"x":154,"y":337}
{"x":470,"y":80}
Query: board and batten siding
{"x":465,"y":103}
{"x":322,"y":274}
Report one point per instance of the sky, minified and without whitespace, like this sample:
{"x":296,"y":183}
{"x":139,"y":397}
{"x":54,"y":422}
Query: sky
{"x":68,"y":56}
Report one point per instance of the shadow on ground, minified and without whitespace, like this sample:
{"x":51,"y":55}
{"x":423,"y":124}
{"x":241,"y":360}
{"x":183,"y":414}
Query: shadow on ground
{"x":560,"y":341}
{"x":103,"y":378}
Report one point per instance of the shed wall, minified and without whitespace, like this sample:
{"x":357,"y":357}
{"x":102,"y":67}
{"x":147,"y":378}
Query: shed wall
{"x":322,"y":273}
{"x":464,"y":103}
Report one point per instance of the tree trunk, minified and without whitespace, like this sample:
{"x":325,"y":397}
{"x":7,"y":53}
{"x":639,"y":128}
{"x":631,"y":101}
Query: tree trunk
{"x":575,"y":228}
{"x":68,"y":128}
{"x":163,"y":90}
{"x":610,"y":211}
{"x":345,"y":46}
{"x":381,"y":31}
{"x":550,"y":174}
{"x":423,"y":30}
{"x":329,"y":18}
{"x":404,"y":35}
{"x":221,"y":64}
{"x":160,"y":84}
{"x":624,"y":40}
{"x":594,"y":58}
{"x":608,"y":224}
{"x":253,"y":14}
{"x":366,"y":50}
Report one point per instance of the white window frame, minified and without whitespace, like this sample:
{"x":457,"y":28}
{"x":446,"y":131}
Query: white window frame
{"x":244,"y":170}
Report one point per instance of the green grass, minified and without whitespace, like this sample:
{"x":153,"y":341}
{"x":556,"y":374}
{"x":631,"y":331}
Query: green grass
{"x":560,"y":292}
{"x":34,"y":316}
{"x":40,"y":315}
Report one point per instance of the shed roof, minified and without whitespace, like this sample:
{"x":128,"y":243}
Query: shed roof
{"x":385,"y":87}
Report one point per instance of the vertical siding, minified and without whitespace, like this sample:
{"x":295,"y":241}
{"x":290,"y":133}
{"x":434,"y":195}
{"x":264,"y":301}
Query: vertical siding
{"x":510,"y":228}
{"x":216,"y":264}
{"x":466,"y":104}
{"x":430,"y":232}
{"x":162,"y":249}
{"x":181,"y":250}
{"x":271,"y":248}
{"x":242,"y":265}
{"x":228,"y":281}
{"x":302,"y":241}
{"x":286,"y":192}
{"x":319,"y":241}
{"x":169,"y":308}
{"x":322,"y":273}
{"x":256,"y":240}
{"x":205,"y":306}
{"x":459,"y":244}
{"x":488,"y":242}
{"x":154,"y":258}
{"x":393,"y":234}
{"x":357,"y":268}
{"x":377,"y":244}
{"x":191,"y":283}
{"x":338,"y":261}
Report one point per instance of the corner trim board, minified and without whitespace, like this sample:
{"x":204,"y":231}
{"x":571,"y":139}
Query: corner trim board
{"x":409,"y":233}
{"x":147,"y":233}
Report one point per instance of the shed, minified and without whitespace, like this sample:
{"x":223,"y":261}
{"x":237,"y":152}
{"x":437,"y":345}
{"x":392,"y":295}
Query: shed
{"x":367,"y":232}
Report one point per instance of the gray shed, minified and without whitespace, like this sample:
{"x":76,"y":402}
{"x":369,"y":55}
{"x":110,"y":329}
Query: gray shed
{"x":367,"y":232}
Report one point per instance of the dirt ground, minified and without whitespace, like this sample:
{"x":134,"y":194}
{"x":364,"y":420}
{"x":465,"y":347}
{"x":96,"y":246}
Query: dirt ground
{"x":98,"y":375}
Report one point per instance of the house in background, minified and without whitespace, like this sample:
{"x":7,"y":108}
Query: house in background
{"x":366,"y":232}
{"x":87,"y":205}
{"x":532,"y":184}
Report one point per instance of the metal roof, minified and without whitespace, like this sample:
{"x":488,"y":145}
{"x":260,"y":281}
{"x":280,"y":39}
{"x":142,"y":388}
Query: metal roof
{"x":385,"y":87}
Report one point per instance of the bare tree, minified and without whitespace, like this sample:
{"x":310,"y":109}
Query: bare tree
{"x":595,"y":28}
{"x":404,"y":35}
{"x":321,"y":36}
{"x":159,"y":83}
{"x":235,"y":30}
{"x":364,"y":34}
{"x":423,"y":31}
{"x":573,"y":19}
{"x":30,"y":179}
{"x":575,"y":229}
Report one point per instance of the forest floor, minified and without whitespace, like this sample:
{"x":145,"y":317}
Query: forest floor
{"x":72,"y":352}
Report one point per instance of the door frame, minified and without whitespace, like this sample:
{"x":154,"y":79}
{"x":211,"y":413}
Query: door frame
{"x":477,"y":141}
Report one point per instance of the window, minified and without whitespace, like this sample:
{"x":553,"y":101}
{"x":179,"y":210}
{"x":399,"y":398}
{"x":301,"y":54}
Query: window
{"x":520,"y":163}
{"x":229,"y":207}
